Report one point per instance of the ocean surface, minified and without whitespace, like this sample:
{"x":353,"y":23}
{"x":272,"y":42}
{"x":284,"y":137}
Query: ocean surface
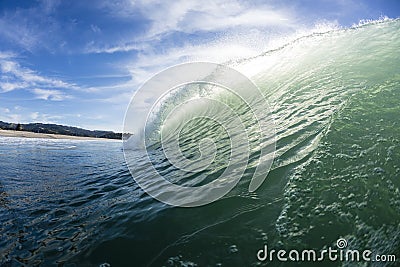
{"x":335,"y":97}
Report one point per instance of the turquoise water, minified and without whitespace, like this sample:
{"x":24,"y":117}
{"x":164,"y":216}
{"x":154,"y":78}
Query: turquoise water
{"x":335,"y":99}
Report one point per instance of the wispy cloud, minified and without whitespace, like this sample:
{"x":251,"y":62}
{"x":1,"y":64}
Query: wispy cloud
{"x":95,"y":28}
{"x":23,"y":115}
{"x":5,"y":110}
{"x":8,"y":86}
{"x":31,"y":27}
{"x":12,"y":70}
{"x":53,"y":95}
{"x":18,"y":33}
{"x":92,"y":47}
{"x":42,"y":117}
{"x":14,"y":76}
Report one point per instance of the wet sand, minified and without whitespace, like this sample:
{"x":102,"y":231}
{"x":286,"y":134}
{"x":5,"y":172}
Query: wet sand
{"x":10,"y":133}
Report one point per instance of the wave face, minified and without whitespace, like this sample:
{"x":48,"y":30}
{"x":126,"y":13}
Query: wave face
{"x":334,"y":97}
{"x":335,"y":100}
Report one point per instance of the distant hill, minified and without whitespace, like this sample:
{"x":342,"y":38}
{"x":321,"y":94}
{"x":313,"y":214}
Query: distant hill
{"x":58,"y":129}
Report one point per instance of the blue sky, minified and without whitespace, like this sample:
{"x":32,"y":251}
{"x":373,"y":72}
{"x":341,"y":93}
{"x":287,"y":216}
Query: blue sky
{"x":79,"y":62}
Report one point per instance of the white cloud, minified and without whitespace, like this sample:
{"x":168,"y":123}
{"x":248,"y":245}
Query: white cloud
{"x":41,"y":117}
{"x":12,"y":69}
{"x":5,"y":55}
{"x":147,"y":65}
{"x":121,"y":98}
{"x":191,"y":16}
{"x":241,"y":28}
{"x":7,"y":86}
{"x":5,"y":110}
{"x":243,"y":31}
{"x":220,"y":51}
{"x":49,"y":6}
{"x":95,"y":28}
{"x":207,"y":15}
{"x":29,"y":27}
{"x":18,"y":28}
{"x":9,"y":117}
{"x":31,"y":117}
{"x":18,"y":34}
{"x":109,"y":49}
{"x":14,"y":76}
{"x":54,"y":95}
{"x":34,"y":115}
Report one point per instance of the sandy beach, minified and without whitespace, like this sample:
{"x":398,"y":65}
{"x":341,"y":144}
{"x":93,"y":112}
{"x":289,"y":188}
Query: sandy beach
{"x":10,"y":133}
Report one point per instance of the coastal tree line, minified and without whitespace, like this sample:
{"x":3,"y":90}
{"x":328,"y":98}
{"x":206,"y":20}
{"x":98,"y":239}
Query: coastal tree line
{"x":59,"y":129}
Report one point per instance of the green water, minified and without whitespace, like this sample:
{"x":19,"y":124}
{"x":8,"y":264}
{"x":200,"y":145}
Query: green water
{"x":334,"y":97}
{"x":341,"y":102}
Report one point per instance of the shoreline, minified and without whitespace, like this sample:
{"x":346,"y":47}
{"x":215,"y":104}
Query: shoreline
{"x":25,"y":134}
